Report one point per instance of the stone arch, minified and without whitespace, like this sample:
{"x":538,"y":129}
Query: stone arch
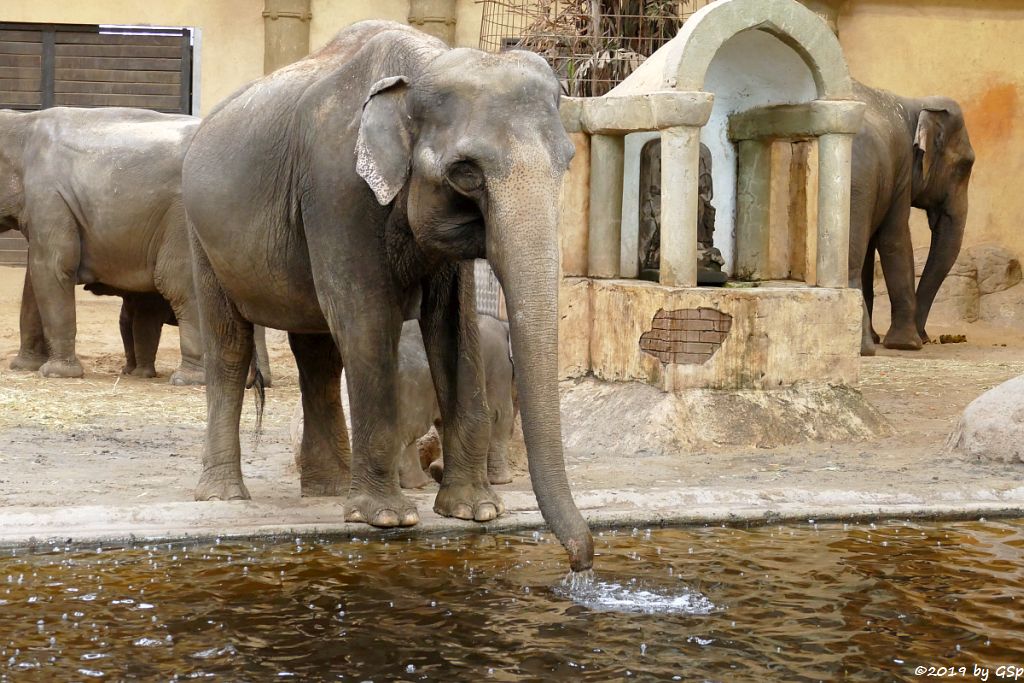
{"x":691,"y":51}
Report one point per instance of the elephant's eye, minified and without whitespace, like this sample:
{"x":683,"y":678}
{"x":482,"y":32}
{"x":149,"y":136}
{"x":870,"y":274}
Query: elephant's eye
{"x":465,"y":178}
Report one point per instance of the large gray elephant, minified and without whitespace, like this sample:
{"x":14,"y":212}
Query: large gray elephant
{"x":910,"y":153}
{"x":349,"y":191}
{"x":97,"y":192}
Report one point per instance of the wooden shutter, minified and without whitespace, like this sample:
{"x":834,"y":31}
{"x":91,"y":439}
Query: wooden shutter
{"x":45,"y":65}
{"x":21,"y":68}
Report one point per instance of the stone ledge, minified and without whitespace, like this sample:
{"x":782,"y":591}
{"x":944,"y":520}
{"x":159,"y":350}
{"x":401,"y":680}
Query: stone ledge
{"x":793,"y":121}
{"x":647,"y":112}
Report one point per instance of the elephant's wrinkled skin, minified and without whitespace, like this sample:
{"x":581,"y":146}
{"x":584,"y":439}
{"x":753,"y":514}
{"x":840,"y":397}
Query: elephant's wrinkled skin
{"x":370,"y":173}
{"x":97,"y":192}
{"x":910,"y":153}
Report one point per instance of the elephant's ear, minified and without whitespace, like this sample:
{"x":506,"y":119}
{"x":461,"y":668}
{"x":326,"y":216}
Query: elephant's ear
{"x":384,"y":145}
{"x":930,"y":136}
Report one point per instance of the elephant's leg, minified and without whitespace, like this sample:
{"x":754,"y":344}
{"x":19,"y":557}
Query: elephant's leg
{"x":324,"y":457}
{"x":32,"y":353}
{"x":174,"y":282}
{"x":369,"y":343}
{"x":370,"y":351}
{"x":867,"y":280}
{"x":861,"y":207}
{"x":410,"y":471}
{"x":897,"y":254}
{"x":452,"y":340}
{"x":124,"y":324}
{"x":148,"y":314}
{"x":227,"y":342}
{"x":53,"y":265}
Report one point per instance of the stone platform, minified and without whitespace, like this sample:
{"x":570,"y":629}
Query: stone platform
{"x":679,"y":338}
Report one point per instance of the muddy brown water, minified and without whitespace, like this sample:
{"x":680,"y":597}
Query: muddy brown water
{"x":827,"y":602}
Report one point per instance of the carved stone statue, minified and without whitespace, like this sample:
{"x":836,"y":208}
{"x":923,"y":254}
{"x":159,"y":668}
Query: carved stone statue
{"x":709,"y":259}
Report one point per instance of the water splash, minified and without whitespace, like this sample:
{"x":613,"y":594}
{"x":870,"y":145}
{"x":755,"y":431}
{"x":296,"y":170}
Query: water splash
{"x":584,"y":588}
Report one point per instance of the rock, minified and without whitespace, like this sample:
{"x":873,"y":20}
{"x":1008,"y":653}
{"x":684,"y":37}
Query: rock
{"x":958,"y":298}
{"x":1004,"y":308}
{"x":633,"y":418}
{"x":992,"y":425}
{"x":997,"y":267}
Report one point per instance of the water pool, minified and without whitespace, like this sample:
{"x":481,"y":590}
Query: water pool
{"x":790,"y":603}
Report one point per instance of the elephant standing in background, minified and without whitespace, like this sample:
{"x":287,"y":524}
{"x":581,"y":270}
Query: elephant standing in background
{"x":143,"y":316}
{"x":97,"y":192}
{"x":910,"y":153}
{"x":371,"y":174}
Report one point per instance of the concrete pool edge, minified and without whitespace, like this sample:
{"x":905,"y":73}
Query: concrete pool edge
{"x":176,"y":521}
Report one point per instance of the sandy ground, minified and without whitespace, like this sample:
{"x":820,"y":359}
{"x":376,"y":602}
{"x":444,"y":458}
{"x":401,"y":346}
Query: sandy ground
{"x":107,"y":455}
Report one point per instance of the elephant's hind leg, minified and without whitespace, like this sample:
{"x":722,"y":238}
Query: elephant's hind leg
{"x":32,"y":353}
{"x":324,"y":456}
{"x":227,"y":343}
{"x":53,"y":262}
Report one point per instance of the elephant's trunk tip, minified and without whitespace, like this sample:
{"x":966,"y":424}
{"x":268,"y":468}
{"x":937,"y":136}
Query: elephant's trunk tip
{"x":581,"y":552}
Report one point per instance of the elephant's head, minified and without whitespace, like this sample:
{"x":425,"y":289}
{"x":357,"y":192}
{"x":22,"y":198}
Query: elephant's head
{"x":474,"y":147}
{"x":943,"y":159}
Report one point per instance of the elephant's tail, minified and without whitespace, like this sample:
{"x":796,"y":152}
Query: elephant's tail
{"x":259,"y":388}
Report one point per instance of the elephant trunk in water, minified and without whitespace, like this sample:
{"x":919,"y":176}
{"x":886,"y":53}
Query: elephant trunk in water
{"x":522,"y":248}
{"x":947,"y":227}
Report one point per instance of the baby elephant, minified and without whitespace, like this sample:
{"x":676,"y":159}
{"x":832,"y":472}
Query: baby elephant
{"x":417,"y":402}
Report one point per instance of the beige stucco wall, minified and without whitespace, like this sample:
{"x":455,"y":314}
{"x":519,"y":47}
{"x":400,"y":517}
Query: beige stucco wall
{"x":970,"y":50}
{"x":329,"y":16}
{"x":231,"y":48}
{"x":231,"y":51}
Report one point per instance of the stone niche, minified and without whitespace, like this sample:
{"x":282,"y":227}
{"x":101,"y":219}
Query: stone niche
{"x":741,"y":78}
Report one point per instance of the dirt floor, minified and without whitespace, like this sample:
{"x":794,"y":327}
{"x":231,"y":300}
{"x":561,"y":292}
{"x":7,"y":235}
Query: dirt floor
{"x":133,"y":446}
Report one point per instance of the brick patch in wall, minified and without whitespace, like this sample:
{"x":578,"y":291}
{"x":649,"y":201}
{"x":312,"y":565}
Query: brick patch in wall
{"x":686,"y":336}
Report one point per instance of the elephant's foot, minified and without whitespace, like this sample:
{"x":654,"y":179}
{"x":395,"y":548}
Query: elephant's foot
{"x":867,"y":348}
{"x":216,"y":484}
{"x":62,"y":368}
{"x":413,"y":478}
{"x":498,"y":471}
{"x":26,"y":360}
{"x":874,"y":336}
{"x":187,"y":376}
{"x":146,"y":372}
{"x":925,"y":339}
{"x":322,"y":485}
{"x":381,"y":510}
{"x":903,"y":340}
{"x":410,"y":470}
{"x":464,"y":500}
{"x":436,"y":470}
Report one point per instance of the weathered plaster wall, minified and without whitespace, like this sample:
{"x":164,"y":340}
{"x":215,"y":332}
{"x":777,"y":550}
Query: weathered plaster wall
{"x":231,"y":50}
{"x":970,"y":50}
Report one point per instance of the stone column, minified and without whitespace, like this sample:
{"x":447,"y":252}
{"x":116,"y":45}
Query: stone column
{"x":436,"y":17}
{"x":680,"y":171}
{"x":753,"y":208}
{"x":834,"y":153}
{"x":285,"y":32}
{"x":606,"y":164}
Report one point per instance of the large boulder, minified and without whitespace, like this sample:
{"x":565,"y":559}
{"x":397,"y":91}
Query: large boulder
{"x":992,"y":425}
{"x":998,"y":268}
